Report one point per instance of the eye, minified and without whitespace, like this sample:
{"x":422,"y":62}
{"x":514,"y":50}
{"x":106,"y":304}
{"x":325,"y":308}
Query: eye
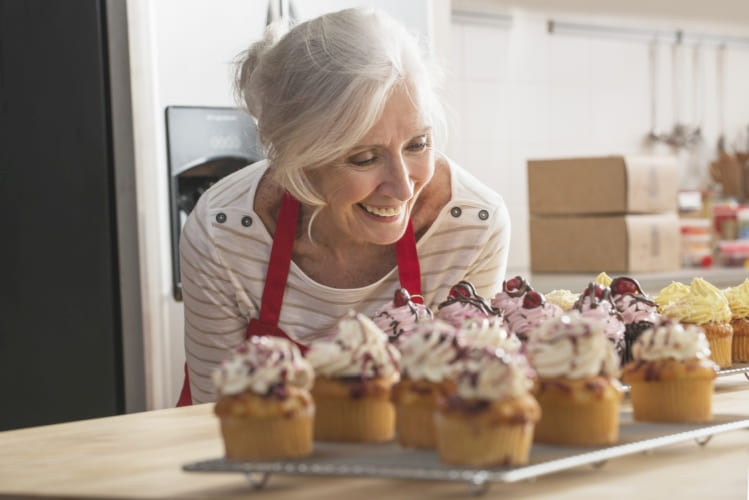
{"x":419,"y":144}
{"x":362,"y":159}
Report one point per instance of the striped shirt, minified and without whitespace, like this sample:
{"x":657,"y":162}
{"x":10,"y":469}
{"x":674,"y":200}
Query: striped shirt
{"x":225,"y":248}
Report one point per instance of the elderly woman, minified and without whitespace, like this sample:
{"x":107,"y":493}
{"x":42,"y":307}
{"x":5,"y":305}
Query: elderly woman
{"x":354,"y":200}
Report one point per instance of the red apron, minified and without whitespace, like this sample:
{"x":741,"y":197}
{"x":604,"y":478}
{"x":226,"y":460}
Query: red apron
{"x":278,"y":273}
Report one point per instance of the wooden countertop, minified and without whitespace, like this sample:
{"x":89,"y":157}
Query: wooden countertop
{"x":140,"y":455}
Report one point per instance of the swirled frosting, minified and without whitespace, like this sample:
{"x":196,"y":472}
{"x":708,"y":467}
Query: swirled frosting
{"x":571,"y":346}
{"x":670,"y":293}
{"x":704,"y":303}
{"x":492,"y":334}
{"x":263,"y":365}
{"x":601,"y":309}
{"x":670,"y":339}
{"x":463,"y":305}
{"x":565,"y":299}
{"x":494,"y":375}
{"x":635,"y":309}
{"x":432,"y":352}
{"x":358,"y":348}
{"x":401,"y":315}
{"x":738,"y":300}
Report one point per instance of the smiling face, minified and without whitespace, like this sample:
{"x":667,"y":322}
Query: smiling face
{"x":372,"y":190}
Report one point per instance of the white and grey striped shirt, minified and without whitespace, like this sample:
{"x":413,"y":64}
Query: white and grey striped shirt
{"x":224,"y":259}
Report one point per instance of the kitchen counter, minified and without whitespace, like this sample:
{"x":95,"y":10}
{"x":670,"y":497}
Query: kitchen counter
{"x":140,"y":455}
{"x":652,"y":283}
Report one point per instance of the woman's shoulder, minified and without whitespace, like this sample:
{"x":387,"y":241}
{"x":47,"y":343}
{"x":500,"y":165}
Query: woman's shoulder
{"x":466,"y":188}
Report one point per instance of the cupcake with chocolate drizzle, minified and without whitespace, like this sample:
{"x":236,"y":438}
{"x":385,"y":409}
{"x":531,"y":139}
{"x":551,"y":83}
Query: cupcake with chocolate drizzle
{"x":464,"y":306}
{"x":430,"y":359}
{"x":597,"y":304}
{"x":401,"y":315}
{"x":522,"y":307}
{"x":490,"y":418}
{"x":355,"y":371}
{"x":638,"y":311}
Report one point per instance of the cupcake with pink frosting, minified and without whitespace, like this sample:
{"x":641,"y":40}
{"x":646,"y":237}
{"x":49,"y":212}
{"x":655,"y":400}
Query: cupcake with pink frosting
{"x":523,"y":308}
{"x":464,"y":306}
{"x":595,"y":303}
{"x":638,"y":311}
{"x":401,"y":315}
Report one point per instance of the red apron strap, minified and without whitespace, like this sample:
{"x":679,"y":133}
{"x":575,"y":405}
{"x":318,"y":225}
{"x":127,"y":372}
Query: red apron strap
{"x":408,"y":263}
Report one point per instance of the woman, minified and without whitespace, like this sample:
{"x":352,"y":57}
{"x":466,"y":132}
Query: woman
{"x":347,"y":111}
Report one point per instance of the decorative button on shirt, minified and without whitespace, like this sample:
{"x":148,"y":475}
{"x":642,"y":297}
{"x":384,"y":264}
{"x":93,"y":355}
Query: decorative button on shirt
{"x":221,"y":217}
{"x":246,"y":221}
{"x":456,"y":211}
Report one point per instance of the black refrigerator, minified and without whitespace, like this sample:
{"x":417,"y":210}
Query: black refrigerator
{"x":70,"y":338}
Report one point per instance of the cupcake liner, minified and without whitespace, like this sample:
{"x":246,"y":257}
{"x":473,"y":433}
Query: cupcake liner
{"x":462,"y":440}
{"x":584,"y":423}
{"x":362,"y":419}
{"x":253,"y":438}
{"x":672,"y":400}
{"x":414,"y":426}
{"x":740,"y":342}
{"x":720,"y":337}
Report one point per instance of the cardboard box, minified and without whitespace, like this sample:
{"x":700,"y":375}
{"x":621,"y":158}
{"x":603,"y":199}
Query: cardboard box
{"x":603,"y":185}
{"x":611,"y":243}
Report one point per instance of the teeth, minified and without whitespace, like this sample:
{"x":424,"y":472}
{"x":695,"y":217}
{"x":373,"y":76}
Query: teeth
{"x":382,"y":212}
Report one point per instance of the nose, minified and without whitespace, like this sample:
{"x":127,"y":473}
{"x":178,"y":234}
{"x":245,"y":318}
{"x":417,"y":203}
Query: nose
{"x":398,"y":182}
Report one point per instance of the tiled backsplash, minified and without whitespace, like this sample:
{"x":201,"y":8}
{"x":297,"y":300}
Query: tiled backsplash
{"x":518,"y":92}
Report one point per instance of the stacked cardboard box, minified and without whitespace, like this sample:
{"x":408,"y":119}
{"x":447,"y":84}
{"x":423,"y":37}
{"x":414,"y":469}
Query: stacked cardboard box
{"x":613,"y":214}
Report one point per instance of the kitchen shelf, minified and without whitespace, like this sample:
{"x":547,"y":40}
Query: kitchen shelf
{"x":392,"y":461}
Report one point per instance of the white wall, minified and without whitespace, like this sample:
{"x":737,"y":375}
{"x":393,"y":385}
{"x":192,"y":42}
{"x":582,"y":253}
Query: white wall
{"x":519,"y":92}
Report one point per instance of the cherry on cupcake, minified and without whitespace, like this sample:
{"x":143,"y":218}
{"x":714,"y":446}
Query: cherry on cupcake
{"x":623,"y":285}
{"x":401,"y":297}
{"x":532,"y":300}
{"x":462,"y":289}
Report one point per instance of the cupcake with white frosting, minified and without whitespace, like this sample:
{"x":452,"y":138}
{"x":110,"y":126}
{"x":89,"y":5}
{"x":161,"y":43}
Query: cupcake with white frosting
{"x":430,"y":358}
{"x":577,"y":386}
{"x":265,"y":407}
{"x":490,"y":418}
{"x":596,"y":303}
{"x":355,"y":371}
{"x":671,"y":375}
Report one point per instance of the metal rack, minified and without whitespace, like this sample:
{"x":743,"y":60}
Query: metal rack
{"x":392,"y":461}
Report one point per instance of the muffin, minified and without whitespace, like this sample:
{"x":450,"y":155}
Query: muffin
{"x":522,"y":307}
{"x":705,"y":305}
{"x":577,"y":388}
{"x":596,"y":304}
{"x":490,"y":419}
{"x":355,"y":371}
{"x":401,"y":315}
{"x":429,"y":363}
{"x":738,"y":301}
{"x":464,"y":305}
{"x":265,"y":408}
{"x":671,"y":376}
{"x":638,"y":311}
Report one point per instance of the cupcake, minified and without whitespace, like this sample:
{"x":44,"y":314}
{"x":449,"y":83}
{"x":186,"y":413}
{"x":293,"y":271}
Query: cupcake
{"x":738,"y":301}
{"x":522,"y":307}
{"x":596,"y":304}
{"x":671,"y":376}
{"x":490,"y":419}
{"x":355,"y":371}
{"x":563,"y":298}
{"x":577,"y":386}
{"x":401,"y":315}
{"x":464,"y":305}
{"x":603,"y":279}
{"x":637,"y":310}
{"x":429,"y":362}
{"x":671,"y":293}
{"x":265,"y":408}
{"x":705,"y":305}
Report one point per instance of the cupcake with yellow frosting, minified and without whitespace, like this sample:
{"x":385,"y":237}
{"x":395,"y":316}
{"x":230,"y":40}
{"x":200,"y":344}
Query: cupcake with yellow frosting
{"x":430,"y":359}
{"x":355,"y":371}
{"x":265,"y":408}
{"x":577,"y":386}
{"x":490,"y":419}
{"x":671,"y":376}
{"x":738,"y":301}
{"x":671,"y":293}
{"x":563,"y":298}
{"x":705,"y":305}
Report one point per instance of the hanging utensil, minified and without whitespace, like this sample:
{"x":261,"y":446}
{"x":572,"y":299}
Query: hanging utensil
{"x":653,"y":135}
{"x":719,"y":83}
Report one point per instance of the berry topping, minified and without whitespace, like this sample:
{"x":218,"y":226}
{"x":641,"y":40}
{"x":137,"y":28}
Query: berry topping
{"x":513,"y":284}
{"x":401,"y":297}
{"x":532,"y":300}
{"x":462,"y":289}
{"x":623,"y":285}
{"x":594,"y":289}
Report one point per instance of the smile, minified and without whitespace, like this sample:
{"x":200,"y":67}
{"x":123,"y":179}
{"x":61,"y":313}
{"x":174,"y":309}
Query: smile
{"x":382,"y":212}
